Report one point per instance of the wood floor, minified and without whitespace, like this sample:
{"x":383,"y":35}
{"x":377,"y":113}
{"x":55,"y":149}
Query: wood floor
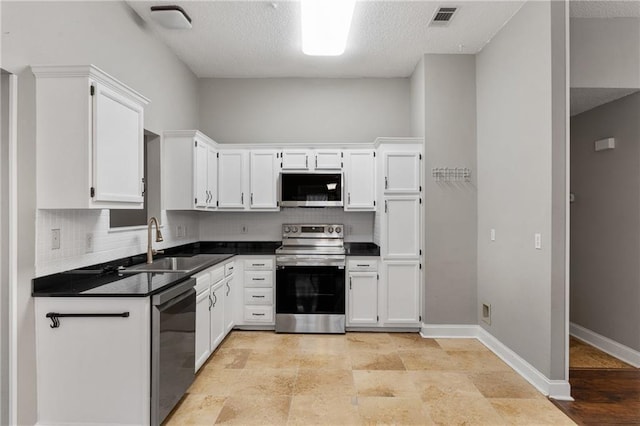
{"x":606,"y":390}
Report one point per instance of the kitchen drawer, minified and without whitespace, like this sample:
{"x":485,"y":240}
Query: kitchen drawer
{"x":255,"y":313}
{"x":203,"y":279}
{"x":259,"y":264}
{"x":258,"y":296}
{"x":217,"y":274}
{"x":228,"y":268}
{"x":363,"y":265}
{"x":258,"y":278}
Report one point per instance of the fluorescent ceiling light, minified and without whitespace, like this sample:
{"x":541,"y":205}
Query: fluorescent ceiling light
{"x":325,"y":26}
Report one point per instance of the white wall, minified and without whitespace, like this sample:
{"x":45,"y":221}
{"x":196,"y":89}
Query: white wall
{"x":450,"y":207}
{"x":604,"y":52}
{"x":265,"y":226}
{"x":605,"y":222}
{"x":417,"y":100}
{"x":111,"y":36}
{"x":306,"y":110}
{"x":519,"y":131}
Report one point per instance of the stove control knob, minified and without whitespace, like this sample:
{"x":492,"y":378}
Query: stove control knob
{"x":338,"y":229}
{"x":330,"y":229}
{"x":287,"y":229}
{"x":295,"y":229}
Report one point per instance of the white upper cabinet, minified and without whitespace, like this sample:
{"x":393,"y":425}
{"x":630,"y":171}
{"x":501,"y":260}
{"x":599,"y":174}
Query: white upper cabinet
{"x":327,"y":160}
{"x":89,"y":140}
{"x":190,"y":169}
{"x":307,"y":159}
{"x":402,"y":172}
{"x":231,"y":179}
{"x":264,"y":172}
{"x":360,"y":180}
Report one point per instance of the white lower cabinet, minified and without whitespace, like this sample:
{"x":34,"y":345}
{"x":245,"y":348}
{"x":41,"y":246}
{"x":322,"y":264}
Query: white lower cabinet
{"x":255,"y":286}
{"x":401,"y":293}
{"x":214,"y":309}
{"x":362,"y":292}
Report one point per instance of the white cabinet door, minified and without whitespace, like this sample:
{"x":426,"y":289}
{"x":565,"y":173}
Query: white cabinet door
{"x":118,"y":127}
{"x":212,"y":178}
{"x":363,"y":298}
{"x":360,"y":178}
{"x":401,"y":235}
{"x":229,"y":295}
{"x":263,"y":178}
{"x":201,"y":179}
{"x":231,"y":179}
{"x":401,"y":298}
{"x":402,"y":172}
{"x":203,"y":327}
{"x":295,"y":160}
{"x":217,"y":314}
{"x":328,"y":160}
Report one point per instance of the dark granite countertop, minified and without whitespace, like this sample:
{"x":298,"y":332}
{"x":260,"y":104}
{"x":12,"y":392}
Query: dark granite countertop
{"x":104,"y":280}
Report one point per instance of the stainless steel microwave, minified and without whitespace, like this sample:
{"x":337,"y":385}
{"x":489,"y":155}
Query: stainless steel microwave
{"x":311,"y":189}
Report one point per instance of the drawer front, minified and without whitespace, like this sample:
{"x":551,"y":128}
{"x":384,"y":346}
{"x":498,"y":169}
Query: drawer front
{"x":259,"y":264}
{"x":217,"y":274}
{"x":258,"y":313}
{"x":203,"y":280}
{"x":363,"y":265}
{"x":228,"y":268}
{"x":258,"y":279}
{"x":258,"y":296}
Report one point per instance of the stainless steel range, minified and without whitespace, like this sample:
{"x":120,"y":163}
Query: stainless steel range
{"x":310,"y":279}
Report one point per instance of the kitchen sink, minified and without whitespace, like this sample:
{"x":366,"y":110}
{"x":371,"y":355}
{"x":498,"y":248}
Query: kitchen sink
{"x":169,"y":264}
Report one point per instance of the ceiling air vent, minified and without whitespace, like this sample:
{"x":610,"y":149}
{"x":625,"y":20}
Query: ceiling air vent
{"x":443,"y":16}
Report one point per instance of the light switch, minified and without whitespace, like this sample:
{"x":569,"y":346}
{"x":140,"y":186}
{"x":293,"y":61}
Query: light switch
{"x":492,"y":234}
{"x":538,"y":241}
{"x":55,"y":239}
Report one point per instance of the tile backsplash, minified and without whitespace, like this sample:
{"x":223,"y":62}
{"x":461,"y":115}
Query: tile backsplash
{"x":107,"y":244}
{"x":267,"y":226}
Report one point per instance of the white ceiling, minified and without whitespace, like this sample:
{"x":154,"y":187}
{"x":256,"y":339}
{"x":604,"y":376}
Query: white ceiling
{"x":605,"y":9}
{"x":262,"y":39}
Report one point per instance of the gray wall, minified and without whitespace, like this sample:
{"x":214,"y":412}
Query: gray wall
{"x":304,"y":109}
{"x":605,"y":222}
{"x":516,"y":137}
{"x":417,"y":100}
{"x":450,"y":208}
{"x":604,"y":52}
{"x":111,"y":36}
{"x":4,"y":247}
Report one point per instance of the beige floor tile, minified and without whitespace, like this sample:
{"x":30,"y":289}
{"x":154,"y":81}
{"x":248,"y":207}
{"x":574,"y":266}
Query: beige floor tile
{"x":216,"y":382}
{"x":530,"y":412}
{"x":196,"y":410}
{"x":503,"y":384}
{"x":384,"y":383}
{"x":404,"y":341}
{"x":462,"y":345}
{"x":255,"y":410}
{"x":266,"y":382}
{"x":324,"y":410}
{"x":376,"y":360}
{"x":428,"y":359}
{"x":478,"y":361}
{"x":273,"y":358}
{"x":321,"y":361}
{"x":231,"y":358}
{"x":324,"y":382}
{"x":463,"y":410}
{"x":359,"y":341}
{"x":322,"y":344}
{"x":256,"y":340}
{"x":433,"y":385}
{"x":393,"y":411}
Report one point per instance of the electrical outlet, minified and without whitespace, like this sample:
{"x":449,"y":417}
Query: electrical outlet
{"x":492,"y":234}
{"x":179,"y":231}
{"x":244,"y":229}
{"x":55,"y":239}
{"x":537,"y":241}
{"x":88,"y":246}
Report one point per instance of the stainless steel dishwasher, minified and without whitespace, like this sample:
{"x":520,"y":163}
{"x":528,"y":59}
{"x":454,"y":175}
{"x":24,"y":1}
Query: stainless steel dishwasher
{"x":173,"y":335}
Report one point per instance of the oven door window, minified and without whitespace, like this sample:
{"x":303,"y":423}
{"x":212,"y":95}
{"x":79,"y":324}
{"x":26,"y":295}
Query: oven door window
{"x":310,"y":290}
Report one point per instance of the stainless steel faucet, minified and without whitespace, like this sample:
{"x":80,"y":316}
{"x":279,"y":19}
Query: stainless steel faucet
{"x":150,"y":250}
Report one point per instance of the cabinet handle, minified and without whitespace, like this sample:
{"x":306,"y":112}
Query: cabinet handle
{"x":228,"y":289}
{"x":363,"y":266}
{"x":386,"y":209}
{"x":215,"y":299}
{"x":257,"y":264}
{"x":251,"y":202}
{"x":349,"y":198}
{"x":386,"y":182}
{"x":257,"y":297}
{"x":257,"y":279}
{"x":306,"y":161}
{"x":257,"y":315}
{"x":210,"y":302}
{"x":349,"y":283}
{"x":316,"y":161}
{"x":242,"y":198}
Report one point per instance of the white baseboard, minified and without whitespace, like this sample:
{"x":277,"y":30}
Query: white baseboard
{"x":556,"y":389}
{"x":613,"y":348}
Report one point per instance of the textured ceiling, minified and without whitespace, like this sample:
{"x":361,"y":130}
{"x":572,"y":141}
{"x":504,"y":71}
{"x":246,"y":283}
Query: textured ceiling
{"x":605,"y":9}
{"x":262,"y":39}
{"x":584,"y":99}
